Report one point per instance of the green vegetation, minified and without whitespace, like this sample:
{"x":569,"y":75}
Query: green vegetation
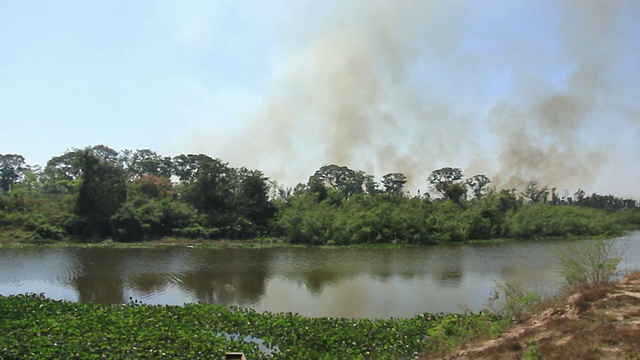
{"x":590,"y":263}
{"x":38,"y":328}
{"x":97,"y":193}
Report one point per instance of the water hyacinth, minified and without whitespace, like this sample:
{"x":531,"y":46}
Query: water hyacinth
{"x":35,"y":327}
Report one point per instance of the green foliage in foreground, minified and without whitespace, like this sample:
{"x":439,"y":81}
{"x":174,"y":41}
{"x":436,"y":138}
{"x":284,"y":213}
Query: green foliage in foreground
{"x":34,"y":327}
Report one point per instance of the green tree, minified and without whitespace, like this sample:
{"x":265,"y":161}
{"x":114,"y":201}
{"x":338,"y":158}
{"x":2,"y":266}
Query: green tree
{"x":152,"y":210}
{"x":448,"y":182}
{"x":12,"y":167}
{"x":488,"y":215}
{"x":186,"y":167}
{"x":101,"y":193}
{"x":31,"y":181}
{"x":146,"y":162}
{"x":208,"y":186}
{"x":394,"y":183}
{"x":315,"y":187}
{"x":104,"y":153}
{"x":61,"y":174}
{"x":348,"y":182}
{"x":371,"y":186}
{"x":252,"y":201}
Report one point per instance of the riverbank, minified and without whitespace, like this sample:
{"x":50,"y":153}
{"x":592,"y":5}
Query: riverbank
{"x":17,"y":238}
{"x":595,"y":322}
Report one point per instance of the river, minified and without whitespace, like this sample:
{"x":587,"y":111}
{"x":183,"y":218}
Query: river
{"x":354,"y":283}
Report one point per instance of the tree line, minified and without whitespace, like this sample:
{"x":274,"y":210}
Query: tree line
{"x":98,"y":193}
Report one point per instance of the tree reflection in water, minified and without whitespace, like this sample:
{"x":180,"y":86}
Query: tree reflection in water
{"x":99,"y":279}
{"x":310,"y":281}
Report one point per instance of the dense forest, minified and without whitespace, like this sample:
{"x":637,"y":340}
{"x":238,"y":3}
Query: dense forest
{"x":97,"y":193}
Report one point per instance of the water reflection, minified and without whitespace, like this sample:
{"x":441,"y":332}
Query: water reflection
{"x":99,"y":279}
{"x":372,"y":283}
{"x":232,"y":276}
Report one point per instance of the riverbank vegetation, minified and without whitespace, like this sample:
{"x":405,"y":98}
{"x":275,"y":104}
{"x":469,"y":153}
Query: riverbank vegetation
{"x":97,"y":193}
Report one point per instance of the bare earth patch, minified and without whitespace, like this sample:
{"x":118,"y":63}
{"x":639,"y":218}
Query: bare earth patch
{"x":597,"y":322}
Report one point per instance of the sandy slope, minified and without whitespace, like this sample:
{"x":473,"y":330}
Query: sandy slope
{"x":599,"y":322}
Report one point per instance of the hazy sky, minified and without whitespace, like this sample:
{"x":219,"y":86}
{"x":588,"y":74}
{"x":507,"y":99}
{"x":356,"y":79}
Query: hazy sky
{"x":517,"y":90}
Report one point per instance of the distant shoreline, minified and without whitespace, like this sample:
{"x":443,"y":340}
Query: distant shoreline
{"x":260,"y":243}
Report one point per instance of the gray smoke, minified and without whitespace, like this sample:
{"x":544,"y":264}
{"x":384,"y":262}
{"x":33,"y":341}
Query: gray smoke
{"x":518,"y":91}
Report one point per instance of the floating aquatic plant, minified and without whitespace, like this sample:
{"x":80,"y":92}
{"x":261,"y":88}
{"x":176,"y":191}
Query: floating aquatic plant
{"x":35,"y":327}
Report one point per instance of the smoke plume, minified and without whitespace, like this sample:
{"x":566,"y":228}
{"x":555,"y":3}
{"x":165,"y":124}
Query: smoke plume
{"x":518,"y":91}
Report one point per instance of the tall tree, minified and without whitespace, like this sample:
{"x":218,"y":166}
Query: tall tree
{"x":208,"y":184}
{"x":534,"y":192}
{"x":316,"y":187}
{"x":104,"y":153}
{"x":371,"y":186}
{"x":478,"y":184}
{"x":448,"y":182}
{"x":146,"y":162}
{"x":349,"y":182}
{"x":394,"y":183}
{"x":186,"y":167}
{"x":103,"y":189}
{"x":252,"y":200}
{"x":12,"y":167}
{"x":31,"y":181}
{"x":61,"y":173}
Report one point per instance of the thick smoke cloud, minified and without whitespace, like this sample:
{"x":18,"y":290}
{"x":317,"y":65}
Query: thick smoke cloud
{"x":518,"y":91}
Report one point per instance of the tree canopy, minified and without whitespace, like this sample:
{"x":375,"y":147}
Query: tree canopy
{"x":12,"y":167}
{"x":135,"y":195}
{"x":449,"y":183}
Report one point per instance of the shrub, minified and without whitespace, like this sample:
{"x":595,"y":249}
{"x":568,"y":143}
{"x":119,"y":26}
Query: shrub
{"x":590,"y":263}
{"x":197,"y":232}
{"x":518,"y":303}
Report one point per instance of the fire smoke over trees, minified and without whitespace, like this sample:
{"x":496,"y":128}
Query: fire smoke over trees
{"x":519,"y":91}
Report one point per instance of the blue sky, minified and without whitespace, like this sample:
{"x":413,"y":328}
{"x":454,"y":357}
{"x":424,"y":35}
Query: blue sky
{"x":518,"y":90}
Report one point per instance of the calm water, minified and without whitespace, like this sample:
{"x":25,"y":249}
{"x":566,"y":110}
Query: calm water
{"x":313,"y":282}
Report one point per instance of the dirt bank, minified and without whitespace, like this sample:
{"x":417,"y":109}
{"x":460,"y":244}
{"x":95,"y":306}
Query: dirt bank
{"x":598,"y":322}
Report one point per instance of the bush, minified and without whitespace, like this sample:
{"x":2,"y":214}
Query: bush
{"x":197,"y":232}
{"x":590,"y":263}
{"x":47,"y":231}
{"x":546,"y":220}
{"x":518,"y":303}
